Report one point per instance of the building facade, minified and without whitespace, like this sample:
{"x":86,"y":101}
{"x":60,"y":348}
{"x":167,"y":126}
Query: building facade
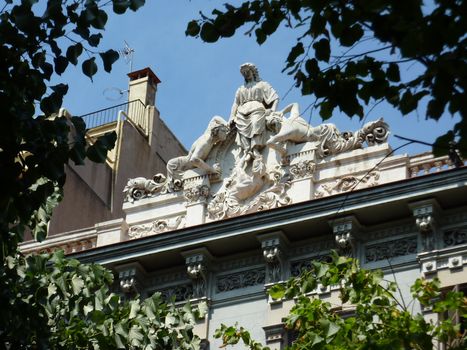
{"x":258,"y":197}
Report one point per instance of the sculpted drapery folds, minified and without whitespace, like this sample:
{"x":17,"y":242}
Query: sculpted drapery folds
{"x":254,"y":100}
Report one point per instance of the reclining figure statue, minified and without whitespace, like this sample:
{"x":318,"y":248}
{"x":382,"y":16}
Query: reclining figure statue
{"x":330,"y":141}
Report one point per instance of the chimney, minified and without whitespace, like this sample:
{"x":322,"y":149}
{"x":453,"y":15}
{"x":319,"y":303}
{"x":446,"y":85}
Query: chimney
{"x":143,"y":86}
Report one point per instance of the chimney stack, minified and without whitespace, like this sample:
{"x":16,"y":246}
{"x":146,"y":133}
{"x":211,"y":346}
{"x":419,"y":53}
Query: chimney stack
{"x":143,"y":86}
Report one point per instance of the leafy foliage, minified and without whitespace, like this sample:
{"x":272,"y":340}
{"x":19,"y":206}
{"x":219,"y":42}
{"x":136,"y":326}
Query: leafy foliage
{"x":433,"y":36}
{"x":49,"y":302}
{"x":379,"y":317}
{"x":38,"y":40}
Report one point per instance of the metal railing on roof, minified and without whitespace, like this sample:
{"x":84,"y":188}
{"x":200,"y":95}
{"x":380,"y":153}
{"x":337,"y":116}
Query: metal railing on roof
{"x":134,"y":110}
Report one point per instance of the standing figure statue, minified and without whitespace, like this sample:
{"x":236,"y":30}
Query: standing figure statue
{"x":254,"y":101}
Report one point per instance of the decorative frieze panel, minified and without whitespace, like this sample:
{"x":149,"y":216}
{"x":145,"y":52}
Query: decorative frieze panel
{"x":178,"y":293}
{"x":391,"y":249}
{"x":296,"y":267}
{"x":157,"y":226}
{"x":347,"y":183}
{"x":455,"y":237}
{"x":242,"y":279}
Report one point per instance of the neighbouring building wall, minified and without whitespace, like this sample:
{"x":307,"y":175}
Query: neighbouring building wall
{"x":89,"y":190}
{"x":93,"y":192}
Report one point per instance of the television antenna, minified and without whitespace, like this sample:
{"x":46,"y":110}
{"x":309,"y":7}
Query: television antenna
{"x":113,"y":93}
{"x":127,"y":53}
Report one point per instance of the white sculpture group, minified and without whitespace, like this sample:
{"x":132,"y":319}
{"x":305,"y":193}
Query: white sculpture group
{"x":241,"y":165}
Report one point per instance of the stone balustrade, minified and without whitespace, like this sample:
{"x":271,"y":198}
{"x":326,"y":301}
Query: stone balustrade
{"x":426,"y":163}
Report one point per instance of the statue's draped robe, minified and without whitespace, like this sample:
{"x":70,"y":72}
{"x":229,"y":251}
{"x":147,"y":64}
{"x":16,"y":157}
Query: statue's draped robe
{"x":252,"y":99}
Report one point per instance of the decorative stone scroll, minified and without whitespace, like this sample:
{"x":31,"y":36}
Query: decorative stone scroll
{"x":243,"y":162}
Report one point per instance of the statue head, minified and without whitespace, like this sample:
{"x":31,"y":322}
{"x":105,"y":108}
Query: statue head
{"x":218,"y":128}
{"x":249,"y":72}
{"x":274,"y":122}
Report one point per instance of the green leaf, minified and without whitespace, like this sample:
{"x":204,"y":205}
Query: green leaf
{"x":89,"y":67}
{"x":134,"y":308}
{"x":209,"y":33}
{"x":326,"y":109}
{"x":322,"y":50}
{"x":108,"y":58}
{"x":277,"y":291}
{"x":120,"y":6}
{"x":100,"y":20}
{"x":192,"y":28}
{"x":393,"y":73}
{"x":77,"y":284}
{"x":441,"y":145}
{"x":296,"y":51}
{"x":260,"y":36}
{"x":73,"y":52}
{"x":136,"y":4}
{"x":94,"y":39}
{"x":98,"y":151}
{"x":312,"y":67}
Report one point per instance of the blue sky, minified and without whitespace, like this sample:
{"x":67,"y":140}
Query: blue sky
{"x":199,"y":80}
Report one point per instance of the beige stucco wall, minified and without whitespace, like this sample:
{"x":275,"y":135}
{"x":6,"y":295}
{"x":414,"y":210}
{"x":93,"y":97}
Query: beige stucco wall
{"x":86,"y":201}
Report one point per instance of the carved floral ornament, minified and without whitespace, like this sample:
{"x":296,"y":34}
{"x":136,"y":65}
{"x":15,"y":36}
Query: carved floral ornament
{"x":157,"y":226}
{"x":244,"y":159}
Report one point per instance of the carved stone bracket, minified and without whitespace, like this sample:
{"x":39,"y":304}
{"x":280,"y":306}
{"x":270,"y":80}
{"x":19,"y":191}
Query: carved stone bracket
{"x":345,"y":231}
{"x":274,"y":251}
{"x":131,"y":277}
{"x":426,"y":214}
{"x":197,"y":262}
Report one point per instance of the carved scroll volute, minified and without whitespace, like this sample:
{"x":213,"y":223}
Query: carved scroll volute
{"x":426,"y":216}
{"x":346,"y":231}
{"x":197,"y":266}
{"x":274,"y":248}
